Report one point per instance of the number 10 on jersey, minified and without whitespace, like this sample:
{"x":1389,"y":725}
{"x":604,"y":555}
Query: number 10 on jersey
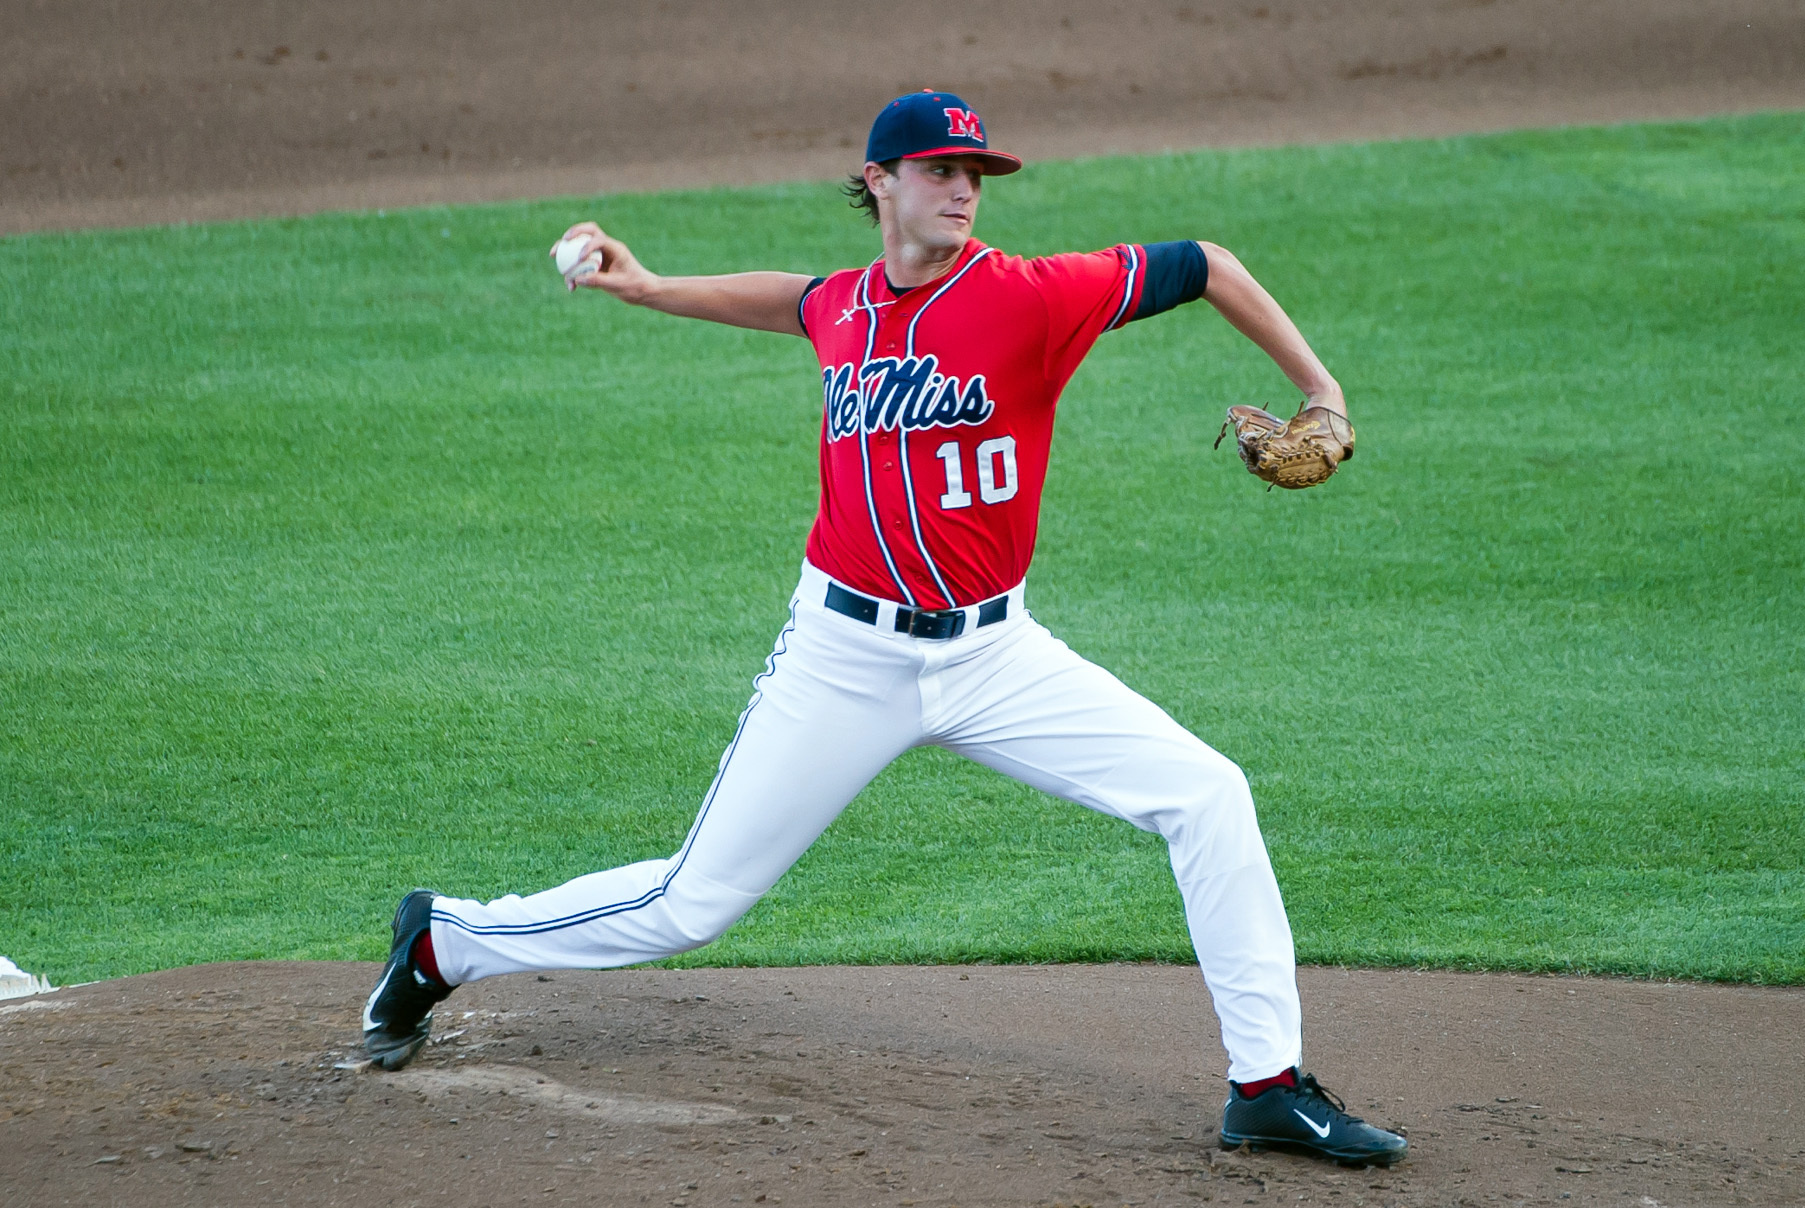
{"x":996,"y":472}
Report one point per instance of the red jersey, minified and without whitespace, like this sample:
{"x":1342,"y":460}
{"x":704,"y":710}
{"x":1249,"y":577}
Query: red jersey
{"x":938,"y":414}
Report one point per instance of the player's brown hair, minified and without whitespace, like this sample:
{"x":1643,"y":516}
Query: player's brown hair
{"x":860,"y":195}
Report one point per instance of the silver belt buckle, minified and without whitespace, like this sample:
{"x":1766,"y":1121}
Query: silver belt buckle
{"x":921,"y":618}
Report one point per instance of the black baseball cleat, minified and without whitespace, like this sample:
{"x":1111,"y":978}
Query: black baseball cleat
{"x":1306,"y":1119}
{"x":398,"y":1015}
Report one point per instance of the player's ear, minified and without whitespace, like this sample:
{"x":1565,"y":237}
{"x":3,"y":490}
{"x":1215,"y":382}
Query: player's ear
{"x":877,"y":180}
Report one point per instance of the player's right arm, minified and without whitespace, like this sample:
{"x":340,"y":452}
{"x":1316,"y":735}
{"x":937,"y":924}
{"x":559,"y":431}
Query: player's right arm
{"x":763,"y":301}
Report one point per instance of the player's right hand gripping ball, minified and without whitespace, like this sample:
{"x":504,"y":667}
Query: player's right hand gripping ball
{"x":567,"y":255}
{"x":1295,"y":453}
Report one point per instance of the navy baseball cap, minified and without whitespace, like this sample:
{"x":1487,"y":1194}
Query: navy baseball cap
{"x":933,"y":123}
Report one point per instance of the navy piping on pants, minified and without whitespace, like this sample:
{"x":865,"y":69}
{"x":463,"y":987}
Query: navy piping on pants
{"x":651,"y":895}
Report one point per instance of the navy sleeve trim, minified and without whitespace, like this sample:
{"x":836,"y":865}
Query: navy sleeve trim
{"x":807,"y":290}
{"x":1176,"y":273}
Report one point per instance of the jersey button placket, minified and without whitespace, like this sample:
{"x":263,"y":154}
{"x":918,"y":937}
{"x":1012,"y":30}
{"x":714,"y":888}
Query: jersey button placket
{"x":894,"y":325}
{"x":890,"y":331}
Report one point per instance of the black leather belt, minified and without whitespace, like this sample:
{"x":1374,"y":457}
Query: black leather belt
{"x":916,"y":622}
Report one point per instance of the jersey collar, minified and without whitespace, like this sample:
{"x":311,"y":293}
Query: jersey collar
{"x":880,"y":276}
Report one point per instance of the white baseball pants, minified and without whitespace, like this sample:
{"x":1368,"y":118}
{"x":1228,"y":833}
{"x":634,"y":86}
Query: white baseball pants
{"x":838,"y":700}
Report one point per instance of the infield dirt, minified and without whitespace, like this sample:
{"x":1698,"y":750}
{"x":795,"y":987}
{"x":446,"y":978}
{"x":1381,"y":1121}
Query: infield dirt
{"x":164,"y":111}
{"x":831,"y":1086}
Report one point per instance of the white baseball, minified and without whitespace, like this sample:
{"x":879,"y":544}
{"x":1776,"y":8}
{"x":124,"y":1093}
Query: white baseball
{"x":569,"y":258}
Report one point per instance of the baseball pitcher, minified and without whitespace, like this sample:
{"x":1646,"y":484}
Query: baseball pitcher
{"x":941,"y":365}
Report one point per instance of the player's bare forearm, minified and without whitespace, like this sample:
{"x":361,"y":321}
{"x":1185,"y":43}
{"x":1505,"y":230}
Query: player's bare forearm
{"x":763,"y":301}
{"x":1253,"y":312}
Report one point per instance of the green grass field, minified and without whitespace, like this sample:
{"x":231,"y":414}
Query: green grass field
{"x":345,"y":554}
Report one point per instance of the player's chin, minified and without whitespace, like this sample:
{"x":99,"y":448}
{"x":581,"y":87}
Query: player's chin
{"x":954,"y":232}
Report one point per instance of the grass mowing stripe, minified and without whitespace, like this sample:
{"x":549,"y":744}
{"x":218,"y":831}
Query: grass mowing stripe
{"x":348,"y":553}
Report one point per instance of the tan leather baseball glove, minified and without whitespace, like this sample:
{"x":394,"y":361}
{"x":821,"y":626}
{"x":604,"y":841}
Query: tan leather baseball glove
{"x":1295,"y":453}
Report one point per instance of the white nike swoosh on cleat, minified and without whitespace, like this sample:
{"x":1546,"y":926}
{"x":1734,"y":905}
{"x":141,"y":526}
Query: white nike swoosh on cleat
{"x":1321,"y":1130}
{"x":370,"y":1024}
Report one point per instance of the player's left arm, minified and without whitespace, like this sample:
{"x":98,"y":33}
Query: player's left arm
{"x":1244,"y":302}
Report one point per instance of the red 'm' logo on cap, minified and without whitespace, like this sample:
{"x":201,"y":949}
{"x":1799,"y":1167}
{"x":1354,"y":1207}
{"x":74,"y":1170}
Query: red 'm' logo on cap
{"x":963,"y":123}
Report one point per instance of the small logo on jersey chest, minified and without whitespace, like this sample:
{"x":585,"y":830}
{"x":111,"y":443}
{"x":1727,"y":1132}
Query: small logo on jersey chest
{"x":854,"y":311}
{"x":910,"y":393}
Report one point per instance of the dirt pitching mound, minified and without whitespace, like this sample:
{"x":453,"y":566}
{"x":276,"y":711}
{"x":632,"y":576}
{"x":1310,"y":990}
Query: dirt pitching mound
{"x":811,"y":1088}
